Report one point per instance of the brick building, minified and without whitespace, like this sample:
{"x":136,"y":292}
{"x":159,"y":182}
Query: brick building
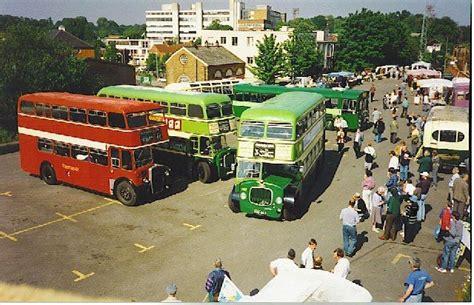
{"x":190,"y":64}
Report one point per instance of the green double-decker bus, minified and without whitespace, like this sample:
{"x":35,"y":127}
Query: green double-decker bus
{"x":352,"y":105}
{"x":280,"y":143}
{"x":198,"y":126}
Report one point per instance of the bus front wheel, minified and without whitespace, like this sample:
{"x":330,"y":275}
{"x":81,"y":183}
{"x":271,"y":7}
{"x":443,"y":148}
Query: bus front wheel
{"x":126,"y":194}
{"x":290,"y":210}
{"x":48,"y":174}
{"x":234,"y":205}
{"x":204,"y":172}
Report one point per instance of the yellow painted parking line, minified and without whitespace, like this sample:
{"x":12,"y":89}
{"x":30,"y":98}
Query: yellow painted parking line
{"x":114,"y":201}
{"x":8,"y":194}
{"x":5,"y":235}
{"x":66,"y":217}
{"x":143,"y":248}
{"x":63,"y":218}
{"x":81,"y":276}
{"x":398,"y":257}
{"x":191,"y":227}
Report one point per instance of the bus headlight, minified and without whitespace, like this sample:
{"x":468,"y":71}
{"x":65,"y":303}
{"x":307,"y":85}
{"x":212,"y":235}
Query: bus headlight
{"x":278,"y":200}
{"x":243,"y":196}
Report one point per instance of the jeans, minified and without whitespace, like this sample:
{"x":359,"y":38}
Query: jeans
{"x":349,"y":236}
{"x":449,"y":254}
{"x":421,"y":208}
{"x":434,"y":174}
{"x":404,"y":172}
{"x":393,"y":137}
{"x":414,"y":298}
{"x":378,"y":137}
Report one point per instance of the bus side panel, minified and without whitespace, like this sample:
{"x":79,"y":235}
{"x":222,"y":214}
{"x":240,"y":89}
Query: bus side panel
{"x":30,"y":157}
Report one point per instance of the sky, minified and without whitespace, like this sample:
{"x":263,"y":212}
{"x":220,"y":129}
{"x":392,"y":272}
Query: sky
{"x":133,"y":11}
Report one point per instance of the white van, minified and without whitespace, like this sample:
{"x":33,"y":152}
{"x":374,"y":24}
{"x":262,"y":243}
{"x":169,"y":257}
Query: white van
{"x":447,"y":131}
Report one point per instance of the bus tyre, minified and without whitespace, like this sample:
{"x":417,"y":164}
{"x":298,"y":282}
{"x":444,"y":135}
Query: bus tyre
{"x":204,"y":172}
{"x":126,"y":194}
{"x":234,"y":206}
{"x":47,"y":174}
{"x":289,"y":213}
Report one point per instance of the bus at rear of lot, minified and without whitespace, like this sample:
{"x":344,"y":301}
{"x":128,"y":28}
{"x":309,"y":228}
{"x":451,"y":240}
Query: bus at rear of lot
{"x":101,"y":144}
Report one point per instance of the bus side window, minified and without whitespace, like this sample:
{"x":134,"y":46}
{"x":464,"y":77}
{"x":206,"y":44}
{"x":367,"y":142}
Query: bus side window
{"x":116,"y":120}
{"x":45,"y":145}
{"x":97,"y":117}
{"x":99,"y":156}
{"x":178,"y":109}
{"x":194,"y":145}
{"x":80,"y":153}
{"x":204,"y":144}
{"x":43,"y":110}
{"x":27,"y":107}
{"x":62,"y":149}
{"x":77,"y":115}
{"x":195,"y":111}
{"x":126,"y":160}
{"x":60,"y":112}
{"x":114,"y":157}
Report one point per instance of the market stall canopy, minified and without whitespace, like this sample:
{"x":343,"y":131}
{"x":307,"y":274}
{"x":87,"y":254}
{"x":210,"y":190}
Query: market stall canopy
{"x":424,"y":72}
{"x":435,"y":83}
{"x":420,"y":65}
{"x":307,"y":285}
{"x":341,"y":73}
{"x":461,"y":80}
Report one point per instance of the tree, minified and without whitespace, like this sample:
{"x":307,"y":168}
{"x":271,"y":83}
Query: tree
{"x":107,"y":27}
{"x":39,"y":63}
{"x":302,"y":25}
{"x":216,"y":25}
{"x":269,"y":63}
{"x":135,"y":31}
{"x":157,"y":64}
{"x":302,"y":56}
{"x":112,"y":54}
{"x":79,"y":27}
{"x":151,"y":62}
{"x":320,"y":22}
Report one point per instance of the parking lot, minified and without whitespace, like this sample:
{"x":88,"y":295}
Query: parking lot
{"x":72,"y":240}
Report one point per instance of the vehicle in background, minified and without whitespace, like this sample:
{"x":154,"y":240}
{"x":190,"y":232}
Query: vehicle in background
{"x":385,"y":71}
{"x":198,"y":126}
{"x":447,"y":131}
{"x":352,"y":105}
{"x":437,"y":89}
{"x":96,"y":143}
{"x":461,"y":91}
{"x":279,"y":145}
{"x":224,"y":86}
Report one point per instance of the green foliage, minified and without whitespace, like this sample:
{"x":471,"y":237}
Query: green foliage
{"x":216,"y":25}
{"x":136,"y":31}
{"x":112,"y":54}
{"x":269,"y":63}
{"x":7,"y":136}
{"x":107,"y":27}
{"x":80,"y":27}
{"x":320,"y":22}
{"x":7,"y":21}
{"x":39,"y":63}
{"x":302,"y":25}
{"x":157,"y":64}
{"x":302,"y":56}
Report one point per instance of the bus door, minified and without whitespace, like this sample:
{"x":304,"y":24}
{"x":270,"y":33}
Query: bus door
{"x":332,"y":111}
{"x":120,"y":162}
{"x":79,"y":172}
{"x":349,"y":110}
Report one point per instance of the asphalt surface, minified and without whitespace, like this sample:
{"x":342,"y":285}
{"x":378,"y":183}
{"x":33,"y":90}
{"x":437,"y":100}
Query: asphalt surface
{"x":75,"y":241}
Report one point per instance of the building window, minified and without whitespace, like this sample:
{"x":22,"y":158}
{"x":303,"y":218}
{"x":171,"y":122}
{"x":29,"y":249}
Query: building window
{"x":250,"y":60}
{"x":183,"y":79}
{"x":229,"y":73}
{"x":223,"y":40}
{"x":218,"y":74}
{"x":250,"y":41}
{"x":234,"y":41}
{"x":239,"y":71}
{"x":183,"y":59}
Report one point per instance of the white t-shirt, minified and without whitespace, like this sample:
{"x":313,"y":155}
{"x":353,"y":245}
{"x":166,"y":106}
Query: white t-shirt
{"x":393,"y":163}
{"x":342,"y":268}
{"x":307,"y":258}
{"x":409,"y":189}
{"x":283,"y":264}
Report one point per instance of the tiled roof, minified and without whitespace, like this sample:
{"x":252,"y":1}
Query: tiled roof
{"x":214,"y":55}
{"x":70,"y":40}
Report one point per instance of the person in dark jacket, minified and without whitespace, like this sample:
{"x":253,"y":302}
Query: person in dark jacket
{"x":412,"y":226}
{"x":379,"y":128}
{"x":393,"y":215}
{"x":360,"y":207}
{"x":424,"y":184}
{"x":214,"y":281}
{"x":424,"y":163}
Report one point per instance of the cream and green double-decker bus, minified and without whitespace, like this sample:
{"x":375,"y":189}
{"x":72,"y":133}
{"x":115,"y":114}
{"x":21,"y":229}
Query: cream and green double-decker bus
{"x":280,"y":143}
{"x":198,"y":126}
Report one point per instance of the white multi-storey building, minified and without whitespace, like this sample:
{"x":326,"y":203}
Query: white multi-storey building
{"x":136,"y":49}
{"x":173,"y":24}
{"x":244,"y":43}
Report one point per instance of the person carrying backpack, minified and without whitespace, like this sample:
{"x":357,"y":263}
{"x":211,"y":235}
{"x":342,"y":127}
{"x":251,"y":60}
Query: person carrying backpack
{"x":214,"y":281}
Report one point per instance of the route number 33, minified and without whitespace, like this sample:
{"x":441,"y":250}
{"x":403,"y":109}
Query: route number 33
{"x":174,"y":124}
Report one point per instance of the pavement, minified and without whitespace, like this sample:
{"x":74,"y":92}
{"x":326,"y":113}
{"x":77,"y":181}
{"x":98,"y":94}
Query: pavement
{"x":73,"y":241}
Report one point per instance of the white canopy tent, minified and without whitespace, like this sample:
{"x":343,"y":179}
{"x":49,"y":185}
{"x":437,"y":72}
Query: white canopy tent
{"x":420,"y":65}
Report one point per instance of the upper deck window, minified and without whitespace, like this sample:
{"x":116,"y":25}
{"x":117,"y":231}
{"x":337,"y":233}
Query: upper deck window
{"x":252,"y":129}
{"x":226,"y":109}
{"x":60,"y":112}
{"x":27,"y":107}
{"x":77,"y":115}
{"x":195,"y":111}
{"x":178,"y":109}
{"x":116,"y":120}
{"x":213,"y":111}
{"x":137,"y":119}
{"x":43,"y":110}
{"x":279,"y":131}
{"x":97,"y":118}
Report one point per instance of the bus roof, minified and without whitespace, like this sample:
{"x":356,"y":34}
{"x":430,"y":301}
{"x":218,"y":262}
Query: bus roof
{"x":448,"y":113}
{"x":158,"y":94}
{"x":286,"y":107}
{"x":89,"y":102}
{"x":275,"y":89}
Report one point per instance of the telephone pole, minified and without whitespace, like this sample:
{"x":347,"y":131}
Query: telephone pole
{"x":429,"y":13}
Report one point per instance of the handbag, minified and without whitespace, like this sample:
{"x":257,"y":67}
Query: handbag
{"x":436,"y":231}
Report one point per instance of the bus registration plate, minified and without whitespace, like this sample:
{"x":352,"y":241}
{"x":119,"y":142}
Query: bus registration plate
{"x":264,"y":150}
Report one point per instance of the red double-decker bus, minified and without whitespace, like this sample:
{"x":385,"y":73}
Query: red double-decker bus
{"x":97,"y":143}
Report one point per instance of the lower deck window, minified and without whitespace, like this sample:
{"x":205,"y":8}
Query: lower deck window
{"x":99,"y":156}
{"x":45,"y":145}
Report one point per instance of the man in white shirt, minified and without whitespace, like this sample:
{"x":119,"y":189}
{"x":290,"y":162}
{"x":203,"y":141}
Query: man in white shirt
{"x":343,"y":266}
{"x":284,"y":264}
{"x":394,"y":161}
{"x":307,"y":257}
{"x":349,"y":219}
{"x":370,"y":155}
{"x":376,"y":115}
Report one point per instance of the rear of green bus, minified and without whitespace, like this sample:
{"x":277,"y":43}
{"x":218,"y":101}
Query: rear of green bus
{"x":271,"y":143}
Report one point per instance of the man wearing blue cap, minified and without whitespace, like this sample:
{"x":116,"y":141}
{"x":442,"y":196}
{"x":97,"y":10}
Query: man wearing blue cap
{"x":171,"y":290}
